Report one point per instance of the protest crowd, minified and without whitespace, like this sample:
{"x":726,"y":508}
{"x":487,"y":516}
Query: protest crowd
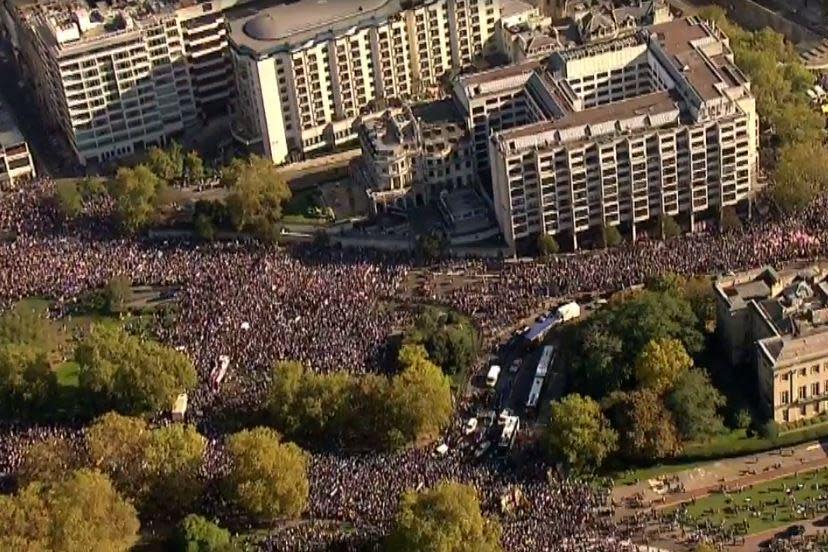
{"x":335,"y":311}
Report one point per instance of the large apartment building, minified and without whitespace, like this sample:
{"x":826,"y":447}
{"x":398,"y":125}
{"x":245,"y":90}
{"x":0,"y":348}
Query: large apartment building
{"x":116,"y":77}
{"x":777,"y":323}
{"x":625,"y":131}
{"x":305,"y":70}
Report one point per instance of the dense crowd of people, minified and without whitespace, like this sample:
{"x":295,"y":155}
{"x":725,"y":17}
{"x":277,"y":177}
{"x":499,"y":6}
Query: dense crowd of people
{"x":335,"y":310}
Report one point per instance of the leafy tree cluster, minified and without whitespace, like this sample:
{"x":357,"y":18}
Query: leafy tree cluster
{"x":158,"y":469}
{"x":450,"y":340}
{"x":124,"y":373}
{"x":141,"y":192}
{"x":634,"y":357}
{"x":268,"y":478}
{"x":368,"y":411}
{"x":29,"y":344}
{"x":70,"y":196}
{"x":80,"y":512}
{"x":257,"y":193}
{"x":445,"y":518}
{"x":197,"y":534}
{"x":779,"y":82}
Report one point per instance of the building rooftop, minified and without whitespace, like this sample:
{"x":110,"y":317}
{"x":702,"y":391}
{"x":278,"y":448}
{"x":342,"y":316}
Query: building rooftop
{"x":265,"y":25}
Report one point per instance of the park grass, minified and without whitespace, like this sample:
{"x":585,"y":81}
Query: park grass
{"x":67,"y":374}
{"x":630,"y":476}
{"x":775,"y":504}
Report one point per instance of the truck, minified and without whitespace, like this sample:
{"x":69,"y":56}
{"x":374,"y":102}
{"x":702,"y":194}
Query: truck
{"x":568,"y":311}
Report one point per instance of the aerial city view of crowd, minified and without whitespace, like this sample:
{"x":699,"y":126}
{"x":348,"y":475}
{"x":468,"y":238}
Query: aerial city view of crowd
{"x":334,"y":311}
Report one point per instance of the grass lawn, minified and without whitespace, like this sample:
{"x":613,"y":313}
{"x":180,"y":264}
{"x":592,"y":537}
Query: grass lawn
{"x":766,"y":506}
{"x":67,"y":374}
{"x":630,"y":476}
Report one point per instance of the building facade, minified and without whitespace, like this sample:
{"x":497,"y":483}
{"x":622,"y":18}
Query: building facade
{"x":777,"y":324}
{"x":411,"y":154}
{"x":626,"y":131}
{"x":16,"y":162}
{"x":304,"y":71}
{"x":116,"y":78}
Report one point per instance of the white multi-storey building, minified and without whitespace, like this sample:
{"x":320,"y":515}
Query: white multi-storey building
{"x":116,"y":77}
{"x":15,"y":158}
{"x":305,"y":70}
{"x":412,"y":154}
{"x":659,"y":123}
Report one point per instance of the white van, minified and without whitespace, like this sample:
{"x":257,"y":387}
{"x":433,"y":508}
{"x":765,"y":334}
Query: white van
{"x":491,"y":377}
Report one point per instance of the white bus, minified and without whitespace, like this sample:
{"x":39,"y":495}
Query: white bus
{"x":546,"y":359}
{"x":534,"y":394}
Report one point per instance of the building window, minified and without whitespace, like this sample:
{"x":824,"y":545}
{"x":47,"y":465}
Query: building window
{"x":815,"y":389}
{"x":802,"y":391}
{"x":802,"y":371}
{"x":784,"y":398}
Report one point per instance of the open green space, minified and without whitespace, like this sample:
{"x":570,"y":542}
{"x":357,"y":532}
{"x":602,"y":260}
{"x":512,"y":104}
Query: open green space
{"x":763,"y":507}
{"x":304,"y":208}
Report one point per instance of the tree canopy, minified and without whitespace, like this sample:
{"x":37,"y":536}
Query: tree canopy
{"x":450,"y":340}
{"x":257,"y":193}
{"x":604,"y":347}
{"x":695,"y":404}
{"x":197,"y":534}
{"x":801,"y":173}
{"x":661,"y":363}
{"x":138,"y":194}
{"x":48,"y":461}
{"x":158,"y":468}
{"x":79,"y":513}
{"x":446,"y":518}
{"x":267,"y":479}
{"x":124,"y":373}
{"x":367,"y":411}
{"x":578,"y":433}
{"x":646,"y":429}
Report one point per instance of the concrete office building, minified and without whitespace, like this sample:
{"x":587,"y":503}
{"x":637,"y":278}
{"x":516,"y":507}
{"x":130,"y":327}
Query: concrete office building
{"x":15,"y":158}
{"x":305,"y":70}
{"x":777,"y":323}
{"x":657,"y":123}
{"x":117,"y":77}
{"x":413,"y":153}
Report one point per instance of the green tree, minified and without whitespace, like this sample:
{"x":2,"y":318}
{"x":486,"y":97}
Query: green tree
{"x":610,"y":235}
{"x":547,"y":246}
{"x":801,"y":174}
{"x":197,"y":534}
{"x":27,"y":382}
{"x":92,"y":187}
{"x":68,"y":198}
{"x":646,"y":429}
{"x":451,"y":341}
{"x":596,"y":369}
{"x":742,"y":419}
{"x":172,"y":460}
{"x":23,"y":325}
{"x":446,"y":518}
{"x":257,"y":193}
{"x":695,"y":405}
{"x":420,"y":395}
{"x":80,"y":513}
{"x":661,"y":363}
{"x":267,"y":479}
{"x":118,"y":293}
{"x":797,"y":122}
{"x":669,"y":227}
{"x":579,"y":434}
{"x":699,"y":293}
{"x":204,"y":227}
{"x":769,"y":430}
{"x":138,"y":194}
{"x":48,"y":461}
{"x":193,"y":166}
{"x":431,"y":247}
{"x":167,"y":164}
{"x":130,"y":375}
{"x":116,"y":446}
